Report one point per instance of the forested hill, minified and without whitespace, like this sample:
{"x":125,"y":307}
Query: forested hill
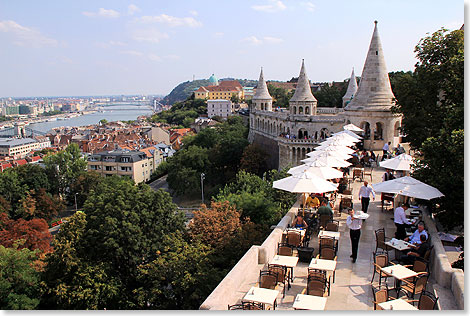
{"x":182,"y":91}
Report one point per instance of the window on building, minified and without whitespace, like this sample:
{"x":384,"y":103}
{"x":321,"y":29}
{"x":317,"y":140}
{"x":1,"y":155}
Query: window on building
{"x":108,"y":168}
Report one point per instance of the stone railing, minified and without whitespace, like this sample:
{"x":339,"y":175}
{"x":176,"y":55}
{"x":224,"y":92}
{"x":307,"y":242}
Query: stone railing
{"x":440,"y":267}
{"x":299,"y":141}
{"x":329,"y":110}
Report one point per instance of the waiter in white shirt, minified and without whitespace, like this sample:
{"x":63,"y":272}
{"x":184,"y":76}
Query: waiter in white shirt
{"x":399,"y":217}
{"x":364,"y":196}
{"x":354,"y":225}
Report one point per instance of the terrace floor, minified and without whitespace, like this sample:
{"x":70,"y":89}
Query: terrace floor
{"x":352,"y":288}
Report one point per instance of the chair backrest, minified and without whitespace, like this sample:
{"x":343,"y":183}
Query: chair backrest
{"x":427,"y":301}
{"x":279,"y":270}
{"x":235,"y":307}
{"x":420,"y":266}
{"x":381,"y":259}
{"x":427,"y":254}
{"x":347,"y":192}
{"x":268,"y":279}
{"x":380,"y":294}
{"x":284,"y":249}
{"x":316,"y":287}
{"x":293,"y":238}
{"x":316,"y":274}
{"x":346,"y":202}
{"x":326,"y":241}
{"x":324,"y":219}
{"x":420,"y":283}
{"x":332,"y":226}
{"x":357,"y":173}
{"x":327,"y":253}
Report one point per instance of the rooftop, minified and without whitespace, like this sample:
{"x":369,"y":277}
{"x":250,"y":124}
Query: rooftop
{"x":13,"y":142}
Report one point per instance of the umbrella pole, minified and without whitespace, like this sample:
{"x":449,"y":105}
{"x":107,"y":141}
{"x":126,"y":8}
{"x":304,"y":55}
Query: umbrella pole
{"x":303,"y":209}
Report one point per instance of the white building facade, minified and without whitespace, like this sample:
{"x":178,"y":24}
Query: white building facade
{"x":222,"y":108}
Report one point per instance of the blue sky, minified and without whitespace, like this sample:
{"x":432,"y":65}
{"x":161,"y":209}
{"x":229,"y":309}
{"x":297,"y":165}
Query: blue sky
{"x":147,"y":47}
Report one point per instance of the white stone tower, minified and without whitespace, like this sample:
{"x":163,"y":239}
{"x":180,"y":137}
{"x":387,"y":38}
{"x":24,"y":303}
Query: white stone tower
{"x":262,"y":100}
{"x":352,"y":88}
{"x":371,"y":106}
{"x":303,"y":102}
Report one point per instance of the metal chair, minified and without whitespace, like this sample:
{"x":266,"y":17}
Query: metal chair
{"x":416,"y":286}
{"x":294,"y":238}
{"x":316,"y":286}
{"x":282,"y":275}
{"x":328,"y":242}
{"x":380,"y":240}
{"x":332,"y":226}
{"x":328,"y":253}
{"x":284,"y":249}
{"x":381,"y":295}
{"x":380,"y":261}
{"x":427,"y":301}
{"x":268,"y":279}
{"x":246,"y":306}
{"x":325,"y":219}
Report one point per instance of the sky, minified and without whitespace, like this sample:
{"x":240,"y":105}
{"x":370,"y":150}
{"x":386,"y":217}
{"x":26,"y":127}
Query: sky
{"x":105,"y":47}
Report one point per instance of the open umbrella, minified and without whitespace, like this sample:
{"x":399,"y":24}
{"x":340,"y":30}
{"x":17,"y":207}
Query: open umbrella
{"x":348,"y":133}
{"x":333,"y":151}
{"x":353,"y":128}
{"x":400,"y":162}
{"x":344,"y":138}
{"x":317,"y":168}
{"x":408,"y":186}
{"x":339,"y":148}
{"x":329,"y":159}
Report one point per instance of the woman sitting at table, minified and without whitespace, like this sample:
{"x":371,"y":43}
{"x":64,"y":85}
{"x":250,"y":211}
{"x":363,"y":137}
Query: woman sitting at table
{"x":300,"y":223}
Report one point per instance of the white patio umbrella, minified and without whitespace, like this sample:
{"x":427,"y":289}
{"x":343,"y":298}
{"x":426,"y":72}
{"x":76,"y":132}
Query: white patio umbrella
{"x":346,"y":132}
{"x":339,"y":148}
{"x":334,"y":151}
{"x":317,"y":168}
{"x":344,"y":138}
{"x":329,"y":159}
{"x":353,"y":128}
{"x":408,"y":186}
{"x":400,"y":162}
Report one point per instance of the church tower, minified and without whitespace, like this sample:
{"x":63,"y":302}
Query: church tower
{"x":303,"y":102}
{"x":262,"y":100}
{"x":352,"y":88}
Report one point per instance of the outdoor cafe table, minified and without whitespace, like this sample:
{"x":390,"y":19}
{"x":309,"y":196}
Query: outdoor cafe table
{"x":286,"y":261}
{"x":399,"y":272}
{"x":261,"y":295}
{"x":398,"y":304}
{"x":328,"y":233}
{"x":309,"y":302}
{"x":323,"y":264}
{"x":301,"y":231}
{"x":398,"y":245}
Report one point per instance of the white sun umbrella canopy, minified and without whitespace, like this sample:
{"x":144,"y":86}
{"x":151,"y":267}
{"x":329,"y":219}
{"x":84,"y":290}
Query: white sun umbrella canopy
{"x":346,"y":132}
{"x":305,"y":182}
{"x":331,"y":146}
{"x":334,"y":151}
{"x":344,"y":138}
{"x":317,"y":168}
{"x":329,"y":159}
{"x":401,"y":162}
{"x":353,"y":128}
{"x":408,"y":186}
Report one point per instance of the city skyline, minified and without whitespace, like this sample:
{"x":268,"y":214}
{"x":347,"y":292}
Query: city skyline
{"x":148,"y":47}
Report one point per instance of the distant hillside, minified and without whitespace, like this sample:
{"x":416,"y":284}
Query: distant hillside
{"x":182,"y":91}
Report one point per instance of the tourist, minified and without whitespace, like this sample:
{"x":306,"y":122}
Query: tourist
{"x":312,"y":201}
{"x":401,"y":222}
{"x":400,"y":149}
{"x":372,"y":155}
{"x":300,"y":223}
{"x":419,"y":251}
{"x":386,"y":149}
{"x":354,"y":225}
{"x":325,"y":209}
{"x":388,"y":175}
{"x":415,"y":239}
{"x":364,"y":196}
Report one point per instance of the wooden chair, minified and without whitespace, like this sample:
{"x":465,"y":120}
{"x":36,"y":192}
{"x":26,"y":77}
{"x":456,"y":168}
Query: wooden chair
{"x":315,"y":274}
{"x":327,"y":242}
{"x":427,"y":301}
{"x":358,"y":173}
{"x":346,"y":203}
{"x":427,"y":254}
{"x":380,"y":261}
{"x":328,"y":253}
{"x":418,"y":266}
{"x":294,"y":238}
{"x":285,"y":249}
{"x":246,"y":306}
{"x":282,"y":275}
{"x":332,"y":226}
{"x":369,"y":172}
{"x":381,"y":295}
{"x":416,"y":286}
{"x":316,"y":287}
{"x":268,"y":279}
{"x":380,"y":240}
{"x":325,"y":219}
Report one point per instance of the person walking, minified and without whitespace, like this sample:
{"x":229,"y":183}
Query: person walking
{"x":354,"y":225}
{"x":401,"y":222}
{"x":386,"y":150}
{"x":364,"y":196}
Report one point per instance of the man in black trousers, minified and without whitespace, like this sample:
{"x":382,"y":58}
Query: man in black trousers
{"x":354,"y":225}
{"x":364,"y":195}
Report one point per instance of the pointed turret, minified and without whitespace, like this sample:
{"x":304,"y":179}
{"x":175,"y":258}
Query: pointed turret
{"x":352,"y":88}
{"x":262,"y":100}
{"x":374,"y":92}
{"x":262,"y":92}
{"x":302,"y":91}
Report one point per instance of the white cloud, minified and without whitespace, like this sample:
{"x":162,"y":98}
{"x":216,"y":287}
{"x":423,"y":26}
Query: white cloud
{"x":309,"y":6}
{"x":264,"y":40}
{"x":172,"y":57}
{"x":154,"y":57}
{"x":273,"y":6}
{"x":132,"y":53}
{"x":132,"y":8}
{"x":218,"y":34}
{"x":171,"y":20}
{"x":110,"y":44}
{"x":25,"y":36}
{"x":103,"y":13}
{"x":149,"y":35}
{"x":193,"y":12}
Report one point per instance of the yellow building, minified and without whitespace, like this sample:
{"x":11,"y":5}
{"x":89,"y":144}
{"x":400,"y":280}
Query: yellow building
{"x":224,"y":90}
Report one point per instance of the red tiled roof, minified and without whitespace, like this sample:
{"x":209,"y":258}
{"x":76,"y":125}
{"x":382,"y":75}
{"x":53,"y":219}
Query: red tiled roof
{"x":21,"y":162}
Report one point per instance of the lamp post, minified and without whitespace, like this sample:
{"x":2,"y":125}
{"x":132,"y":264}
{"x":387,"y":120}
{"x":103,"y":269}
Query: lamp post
{"x":76,"y":208}
{"x":203,"y":176}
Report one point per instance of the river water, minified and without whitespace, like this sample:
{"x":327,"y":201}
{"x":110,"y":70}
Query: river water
{"x":111,"y":113}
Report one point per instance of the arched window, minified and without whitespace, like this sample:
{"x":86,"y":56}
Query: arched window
{"x":366,"y":127}
{"x":378,"y":133}
{"x":396,"y":129}
{"x":295,"y":110}
{"x":301,"y":110}
{"x":307,"y":110}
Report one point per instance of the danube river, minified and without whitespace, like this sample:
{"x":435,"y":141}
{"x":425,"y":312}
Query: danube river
{"x":111,"y":113}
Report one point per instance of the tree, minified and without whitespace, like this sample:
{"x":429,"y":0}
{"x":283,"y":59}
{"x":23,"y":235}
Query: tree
{"x":64,"y":167}
{"x":331,"y":96}
{"x":254,"y":160}
{"x":19,"y":279}
{"x":103,"y":121}
{"x":234,"y":98}
{"x":83,"y":185}
{"x":280,"y":96}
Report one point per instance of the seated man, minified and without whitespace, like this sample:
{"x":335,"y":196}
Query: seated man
{"x":312,"y":201}
{"x":417,"y":252}
{"x":300,"y":223}
{"x":325,"y":209}
{"x":415,"y":239}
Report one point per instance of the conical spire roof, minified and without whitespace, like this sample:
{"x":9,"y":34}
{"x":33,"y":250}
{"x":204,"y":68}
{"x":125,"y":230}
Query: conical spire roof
{"x":352,"y":87}
{"x":262,"y":92}
{"x":374,"y":92}
{"x":302,"y":91}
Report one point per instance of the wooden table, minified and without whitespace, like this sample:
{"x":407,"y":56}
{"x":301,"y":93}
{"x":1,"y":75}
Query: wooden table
{"x":328,"y":233}
{"x":399,"y":272}
{"x":263,"y":296}
{"x":309,"y":302}
{"x":398,"y":304}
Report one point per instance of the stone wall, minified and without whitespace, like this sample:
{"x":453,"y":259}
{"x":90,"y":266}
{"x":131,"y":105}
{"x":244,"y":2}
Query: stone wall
{"x":271,"y":148}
